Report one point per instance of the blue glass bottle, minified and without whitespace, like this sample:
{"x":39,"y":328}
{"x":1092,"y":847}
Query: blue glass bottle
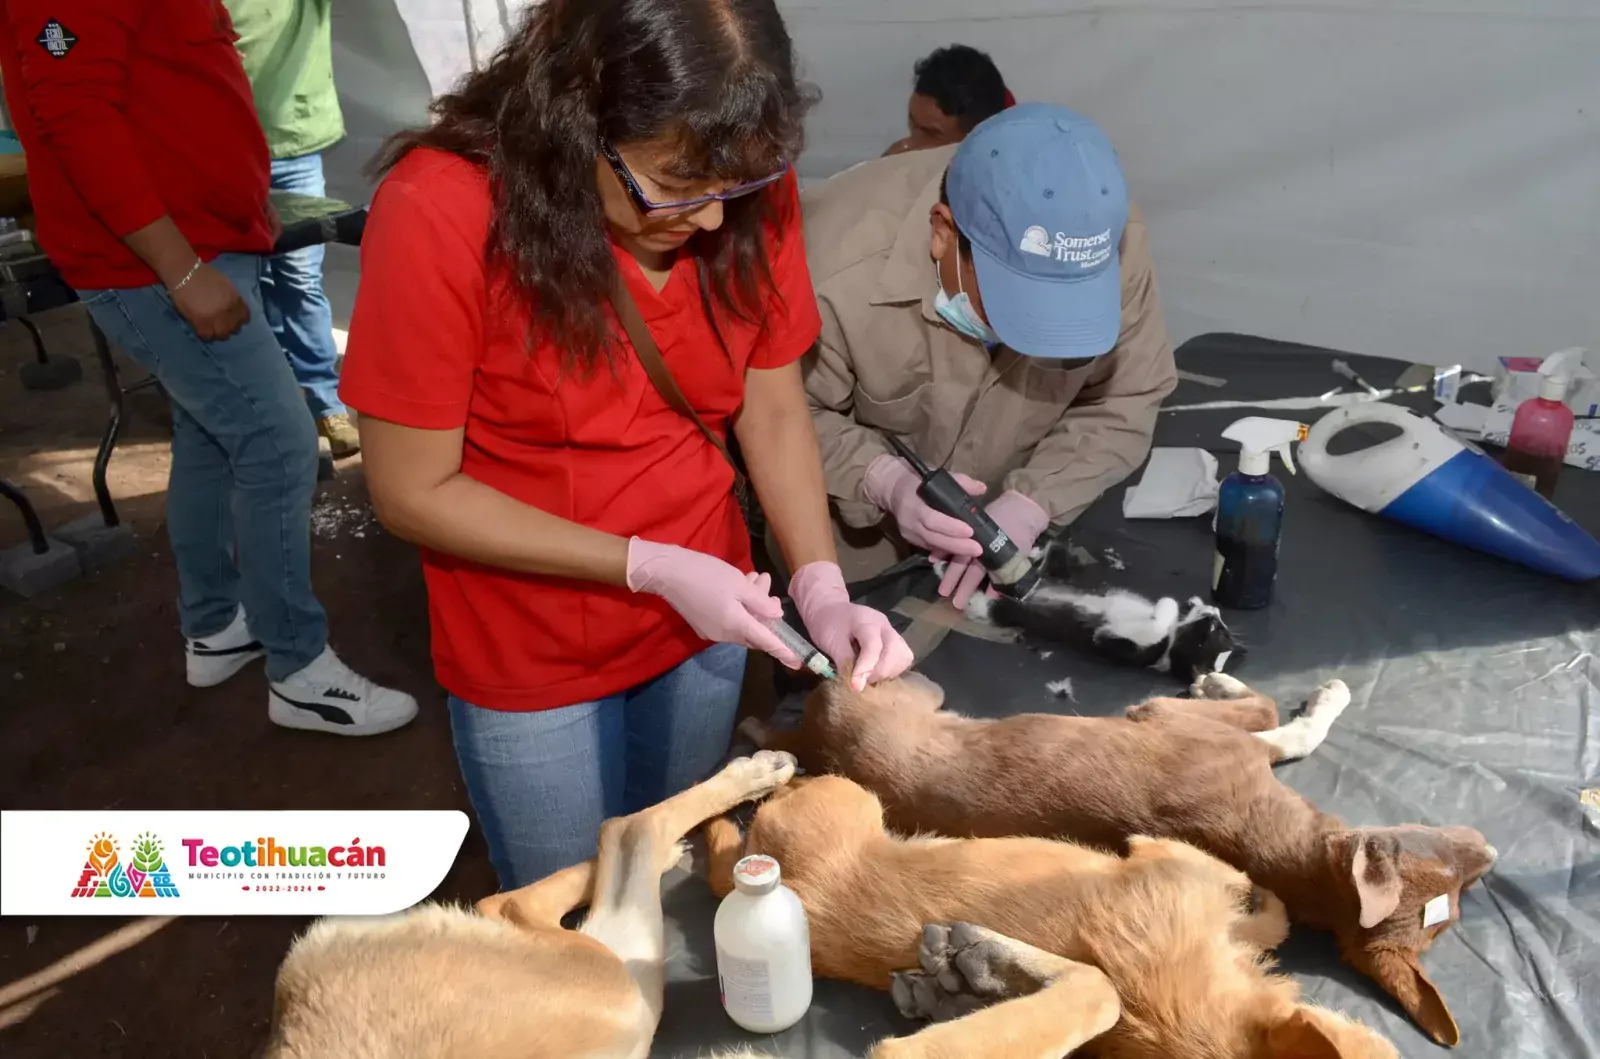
{"x":1250,"y":513}
{"x":1249,"y":526}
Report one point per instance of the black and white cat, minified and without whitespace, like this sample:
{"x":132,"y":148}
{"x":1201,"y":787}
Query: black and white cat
{"x":1113,"y":623}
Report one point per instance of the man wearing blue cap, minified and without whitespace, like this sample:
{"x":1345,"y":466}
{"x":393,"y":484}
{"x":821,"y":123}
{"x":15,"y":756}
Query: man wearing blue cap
{"x":994,"y":305}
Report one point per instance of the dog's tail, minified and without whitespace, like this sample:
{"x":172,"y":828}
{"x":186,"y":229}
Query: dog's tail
{"x":724,"y":846}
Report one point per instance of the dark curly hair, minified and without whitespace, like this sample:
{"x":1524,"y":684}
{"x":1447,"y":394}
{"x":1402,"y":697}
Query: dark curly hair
{"x":964,"y":82}
{"x":714,"y":77}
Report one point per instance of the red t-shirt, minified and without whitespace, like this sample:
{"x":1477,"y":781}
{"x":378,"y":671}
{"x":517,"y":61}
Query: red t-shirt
{"x":426,"y":351}
{"x":128,"y":110}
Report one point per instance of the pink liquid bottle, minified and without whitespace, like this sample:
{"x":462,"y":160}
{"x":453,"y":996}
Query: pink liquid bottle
{"x":1542,"y":427}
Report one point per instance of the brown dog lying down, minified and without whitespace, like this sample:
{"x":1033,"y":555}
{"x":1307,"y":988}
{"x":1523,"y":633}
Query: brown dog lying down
{"x":1198,"y":770}
{"x":509,"y":982}
{"x":1155,"y":956}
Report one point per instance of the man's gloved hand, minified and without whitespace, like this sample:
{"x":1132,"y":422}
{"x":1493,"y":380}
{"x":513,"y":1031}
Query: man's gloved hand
{"x":719,"y":602}
{"x":891,"y":484}
{"x":1023,"y":521}
{"x":845,"y":631}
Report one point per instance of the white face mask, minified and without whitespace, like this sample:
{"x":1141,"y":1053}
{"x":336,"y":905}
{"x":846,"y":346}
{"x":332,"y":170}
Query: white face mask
{"x":958,"y":311}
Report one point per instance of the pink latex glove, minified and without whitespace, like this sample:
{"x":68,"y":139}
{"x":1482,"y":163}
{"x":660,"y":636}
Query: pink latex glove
{"x":719,"y":602}
{"x":892,"y":485}
{"x":1023,"y":521}
{"x":845,"y":631}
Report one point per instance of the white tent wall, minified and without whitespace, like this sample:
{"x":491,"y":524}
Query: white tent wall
{"x":1417,"y":178}
{"x":389,"y":58}
{"x":381,"y":64}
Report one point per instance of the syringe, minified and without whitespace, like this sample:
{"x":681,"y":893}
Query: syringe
{"x":803,"y":648}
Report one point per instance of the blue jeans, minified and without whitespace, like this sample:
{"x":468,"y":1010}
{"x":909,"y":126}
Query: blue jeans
{"x":297,"y":309}
{"x":244,"y":466}
{"x":541,"y":783}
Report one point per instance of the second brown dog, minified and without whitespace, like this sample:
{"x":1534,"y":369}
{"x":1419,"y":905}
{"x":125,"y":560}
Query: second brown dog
{"x":1156,"y":955}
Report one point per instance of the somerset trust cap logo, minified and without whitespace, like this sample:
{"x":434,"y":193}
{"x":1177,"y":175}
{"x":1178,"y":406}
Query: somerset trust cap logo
{"x":224,"y":862}
{"x":106,"y":874}
{"x":1090,"y":251}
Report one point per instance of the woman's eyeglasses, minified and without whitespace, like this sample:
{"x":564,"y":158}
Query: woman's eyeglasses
{"x":666,"y":209}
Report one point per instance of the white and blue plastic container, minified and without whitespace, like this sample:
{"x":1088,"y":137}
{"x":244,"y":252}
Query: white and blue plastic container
{"x":1426,"y":479}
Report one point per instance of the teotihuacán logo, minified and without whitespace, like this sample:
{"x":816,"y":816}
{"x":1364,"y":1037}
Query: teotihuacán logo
{"x":69,"y":862}
{"x":105,"y":874}
{"x":108,"y":873}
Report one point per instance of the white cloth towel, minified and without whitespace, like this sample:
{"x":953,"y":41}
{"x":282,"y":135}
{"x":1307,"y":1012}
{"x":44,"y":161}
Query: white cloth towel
{"x":1177,"y":483}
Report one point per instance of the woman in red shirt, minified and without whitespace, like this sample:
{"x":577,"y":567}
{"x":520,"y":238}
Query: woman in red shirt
{"x":588,"y":566}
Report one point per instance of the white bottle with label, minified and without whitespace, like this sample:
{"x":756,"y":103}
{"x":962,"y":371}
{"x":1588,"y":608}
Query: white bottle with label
{"x":763,"y":949}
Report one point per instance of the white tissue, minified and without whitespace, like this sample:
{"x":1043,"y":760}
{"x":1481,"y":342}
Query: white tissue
{"x":1177,"y":483}
{"x":1466,"y":419}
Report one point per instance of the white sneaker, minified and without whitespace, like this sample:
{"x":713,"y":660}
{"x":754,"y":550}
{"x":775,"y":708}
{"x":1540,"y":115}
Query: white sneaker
{"x":212,"y":660}
{"x":328,"y":696}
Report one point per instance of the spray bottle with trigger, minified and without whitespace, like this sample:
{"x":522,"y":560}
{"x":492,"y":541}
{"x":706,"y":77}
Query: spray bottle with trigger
{"x":1010,"y":571}
{"x":1250,"y":514}
{"x":1542,"y":427}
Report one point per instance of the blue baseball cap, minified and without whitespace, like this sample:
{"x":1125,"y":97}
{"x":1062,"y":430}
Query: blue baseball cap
{"x":1039,"y":193}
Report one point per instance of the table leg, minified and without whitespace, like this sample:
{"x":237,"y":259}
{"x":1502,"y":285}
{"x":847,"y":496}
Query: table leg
{"x":30,"y":517}
{"x":108,"y":440}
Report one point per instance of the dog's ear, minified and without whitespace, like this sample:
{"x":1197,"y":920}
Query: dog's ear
{"x":1375,"y":873}
{"x":1402,"y":978}
{"x":1299,"y":1037}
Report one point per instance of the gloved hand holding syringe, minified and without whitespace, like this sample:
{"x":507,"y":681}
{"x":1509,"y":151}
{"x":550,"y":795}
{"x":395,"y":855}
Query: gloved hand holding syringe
{"x":809,"y":656}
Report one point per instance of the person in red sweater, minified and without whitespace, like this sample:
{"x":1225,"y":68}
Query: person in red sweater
{"x":588,"y":569}
{"x":148,"y":173}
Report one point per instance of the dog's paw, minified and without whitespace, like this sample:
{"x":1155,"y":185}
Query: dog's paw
{"x":1330,"y":699}
{"x":918,"y":995}
{"x":1219,"y":686}
{"x":761,"y":773}
{"x":967,"y":959}
{"x":979,"y":607}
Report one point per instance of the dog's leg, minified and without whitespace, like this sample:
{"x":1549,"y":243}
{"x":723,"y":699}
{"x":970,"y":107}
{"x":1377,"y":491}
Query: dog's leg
{"x":545,"y":902}
{"x":1306,"y":732}
{"x":1218,"y":697}
{"x":542,"y":904}
{"x":635,"y":850}
{"x":1060,"y":1004}
{"x":724,"y":848}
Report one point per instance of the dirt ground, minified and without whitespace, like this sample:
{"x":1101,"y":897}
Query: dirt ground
{"x":95,"y":714}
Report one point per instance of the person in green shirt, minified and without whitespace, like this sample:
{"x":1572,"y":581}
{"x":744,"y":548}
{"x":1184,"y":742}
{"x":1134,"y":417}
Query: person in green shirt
{"x":287,"y":50}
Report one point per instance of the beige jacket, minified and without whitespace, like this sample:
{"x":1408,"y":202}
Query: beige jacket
{"x":887,"y":362}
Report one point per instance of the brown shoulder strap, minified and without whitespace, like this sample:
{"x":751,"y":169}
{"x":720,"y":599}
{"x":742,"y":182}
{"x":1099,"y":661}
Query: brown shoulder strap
{"x":649,"y":354}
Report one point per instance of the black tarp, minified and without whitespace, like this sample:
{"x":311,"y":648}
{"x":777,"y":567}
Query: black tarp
{"x":1473,"y":688}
